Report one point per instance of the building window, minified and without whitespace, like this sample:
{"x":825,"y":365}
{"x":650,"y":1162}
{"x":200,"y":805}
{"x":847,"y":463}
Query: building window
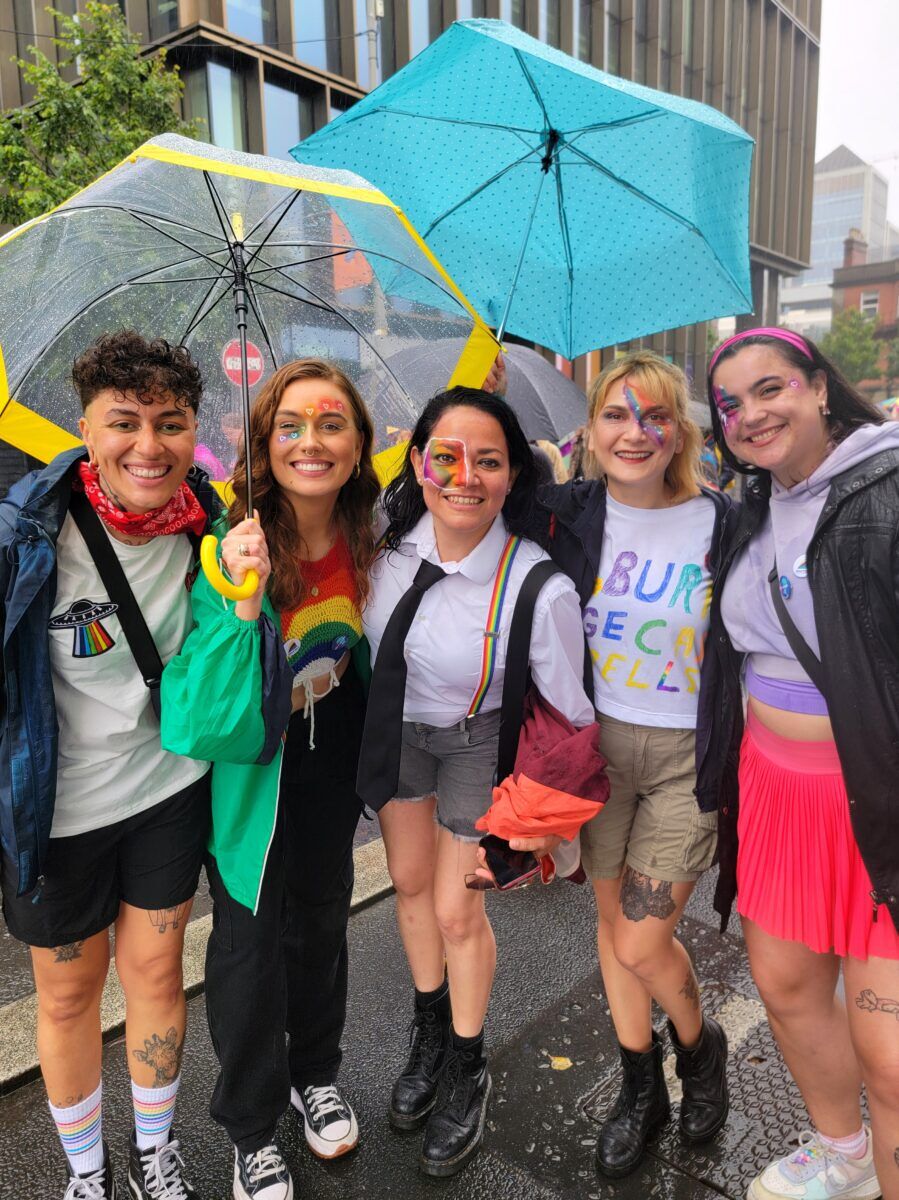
{"x":425,"y":24}
{"x":288,"y":119}
{"x":869,"y":303}
{"x":549,"y":26}
{"x":583,"y":30}
{"x":162,"y":17}
{"x":387,"y":40}
{"x":613,"y":36}
{"x":513,"y":12}
{"x":340,"y":102}
{"x":317,"y":31}
{"x":641,"y":38}
{"x":253,"y":20}
{"x":215,"y":94}
{"x":665,"y":47}
{"x":467,"y":10}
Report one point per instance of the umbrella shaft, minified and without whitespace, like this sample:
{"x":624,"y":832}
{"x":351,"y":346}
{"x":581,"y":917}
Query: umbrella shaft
{"x":240,"y":312}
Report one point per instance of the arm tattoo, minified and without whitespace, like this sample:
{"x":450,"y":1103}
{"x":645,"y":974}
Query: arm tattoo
{"x":69,"y":952}
{"x":640,"y":899}
{"x":868,"y":1002}
{"x":163,"y":1055}
{"x":162,"y":918}
{"x":690,"y":990}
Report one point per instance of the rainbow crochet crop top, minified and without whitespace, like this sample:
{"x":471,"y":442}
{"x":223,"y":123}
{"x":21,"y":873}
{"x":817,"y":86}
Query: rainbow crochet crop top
{"x":319,"y":631}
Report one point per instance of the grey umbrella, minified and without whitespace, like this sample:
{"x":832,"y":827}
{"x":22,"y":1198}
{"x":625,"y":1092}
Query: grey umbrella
{"x":547,"y":404}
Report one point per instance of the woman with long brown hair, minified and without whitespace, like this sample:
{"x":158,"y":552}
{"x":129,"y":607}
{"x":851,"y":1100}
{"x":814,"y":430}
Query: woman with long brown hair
{"x":281,"y":866}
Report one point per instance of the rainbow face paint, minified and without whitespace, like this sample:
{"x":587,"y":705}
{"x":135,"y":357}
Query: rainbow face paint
{"x":445,"y":463}
{"x":728,"y":406}
{"x":294,"y":434}
{"x":653,"y":429}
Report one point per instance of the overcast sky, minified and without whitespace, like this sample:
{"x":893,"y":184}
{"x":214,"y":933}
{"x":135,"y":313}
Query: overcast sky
{"x":858,"y":90}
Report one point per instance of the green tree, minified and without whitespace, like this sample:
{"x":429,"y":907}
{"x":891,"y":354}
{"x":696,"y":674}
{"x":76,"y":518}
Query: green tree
{"x":71,"y":133}
{"x":851,"y":345}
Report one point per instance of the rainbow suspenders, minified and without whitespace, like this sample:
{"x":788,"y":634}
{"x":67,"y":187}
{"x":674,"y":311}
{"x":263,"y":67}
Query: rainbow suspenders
{"x":491,"y":633}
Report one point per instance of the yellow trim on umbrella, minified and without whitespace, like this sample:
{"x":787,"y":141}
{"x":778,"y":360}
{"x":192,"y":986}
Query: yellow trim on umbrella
{"x":179,"y":159}
{"x":388,"y":463}
{"x":33,"y":434}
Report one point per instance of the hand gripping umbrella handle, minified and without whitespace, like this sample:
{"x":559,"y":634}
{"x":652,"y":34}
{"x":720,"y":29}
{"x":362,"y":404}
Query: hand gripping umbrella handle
{"x":218,"y":580}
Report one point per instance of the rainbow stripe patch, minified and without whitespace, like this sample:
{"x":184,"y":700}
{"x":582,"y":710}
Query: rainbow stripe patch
{"x":491,"y":633}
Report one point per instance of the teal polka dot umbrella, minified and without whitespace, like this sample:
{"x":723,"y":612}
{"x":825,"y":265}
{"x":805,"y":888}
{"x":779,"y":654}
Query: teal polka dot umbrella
{"x":574,"y":208}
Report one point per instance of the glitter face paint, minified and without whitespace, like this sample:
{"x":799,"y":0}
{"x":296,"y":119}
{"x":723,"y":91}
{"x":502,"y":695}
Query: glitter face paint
{"x":653,"y":431}
{"x":728,"y":406}
{"x":445,"y":463}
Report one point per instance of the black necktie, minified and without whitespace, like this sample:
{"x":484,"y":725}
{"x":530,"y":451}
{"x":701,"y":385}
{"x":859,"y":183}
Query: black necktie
{"x":379,"y":757}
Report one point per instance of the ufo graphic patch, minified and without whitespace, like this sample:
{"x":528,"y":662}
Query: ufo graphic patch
{"x":84,"y":619}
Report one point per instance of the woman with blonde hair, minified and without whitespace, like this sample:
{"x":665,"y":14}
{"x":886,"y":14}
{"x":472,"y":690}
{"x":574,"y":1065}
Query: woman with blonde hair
{"x":640,"y":540}
{"x":280,"y":865}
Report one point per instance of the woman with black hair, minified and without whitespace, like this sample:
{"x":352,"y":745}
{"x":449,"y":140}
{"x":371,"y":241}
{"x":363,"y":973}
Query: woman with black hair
{"x":456,"y":552}
{"x":808,"y":592}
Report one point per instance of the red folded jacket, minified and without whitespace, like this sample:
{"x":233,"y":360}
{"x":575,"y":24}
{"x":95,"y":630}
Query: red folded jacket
{"x":559,"y":781}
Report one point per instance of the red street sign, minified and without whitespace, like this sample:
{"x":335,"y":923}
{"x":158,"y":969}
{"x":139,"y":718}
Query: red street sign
{"x":231,"y":362}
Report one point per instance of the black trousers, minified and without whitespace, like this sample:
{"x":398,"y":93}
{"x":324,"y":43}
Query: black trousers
{"x":276,"y":982}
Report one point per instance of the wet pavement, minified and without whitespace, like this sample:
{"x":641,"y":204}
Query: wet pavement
{"x":553,"y":1061}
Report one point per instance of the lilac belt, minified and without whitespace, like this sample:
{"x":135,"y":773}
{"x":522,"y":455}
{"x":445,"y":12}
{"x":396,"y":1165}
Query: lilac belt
{"x":790,"y":695}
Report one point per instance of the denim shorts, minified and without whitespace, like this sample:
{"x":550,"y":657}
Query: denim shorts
{"x":457,"y":764}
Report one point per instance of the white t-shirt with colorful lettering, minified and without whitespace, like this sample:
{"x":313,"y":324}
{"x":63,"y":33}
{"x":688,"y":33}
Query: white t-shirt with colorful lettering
{"x":647,"y":619}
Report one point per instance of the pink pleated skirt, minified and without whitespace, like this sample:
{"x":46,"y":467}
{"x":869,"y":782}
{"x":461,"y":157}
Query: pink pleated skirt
{"x":800,"y":875}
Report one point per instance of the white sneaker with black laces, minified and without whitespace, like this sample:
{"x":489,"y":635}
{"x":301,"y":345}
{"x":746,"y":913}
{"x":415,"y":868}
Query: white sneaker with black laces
{"x":158,"y":1173}
{"x":96,"y":1185}
{"x":262,"y":1175}
{"x":328,"y":1120}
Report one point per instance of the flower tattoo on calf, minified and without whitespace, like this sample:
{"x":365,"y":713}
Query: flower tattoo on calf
{"x":162,"y":1055}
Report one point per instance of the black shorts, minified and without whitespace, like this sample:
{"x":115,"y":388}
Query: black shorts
{"x":151,"y":860}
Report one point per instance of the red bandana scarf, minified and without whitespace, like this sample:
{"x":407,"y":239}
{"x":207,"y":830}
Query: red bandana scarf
{"x":182,"y":512}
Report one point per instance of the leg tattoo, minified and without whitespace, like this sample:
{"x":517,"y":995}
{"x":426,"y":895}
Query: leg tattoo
{"x":162,"y":918}
{"x":163,"y":1055}
{"x":69,"y":952}
{"x":640,"y":899}
{"x":690,"y":990}
{"x":868,"y":1002}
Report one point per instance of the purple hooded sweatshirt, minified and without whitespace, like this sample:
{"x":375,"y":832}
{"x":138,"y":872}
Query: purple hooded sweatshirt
{"x":746,"y":605}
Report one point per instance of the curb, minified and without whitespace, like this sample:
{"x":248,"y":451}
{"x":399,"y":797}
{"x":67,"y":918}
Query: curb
{"x":18,"y":1021}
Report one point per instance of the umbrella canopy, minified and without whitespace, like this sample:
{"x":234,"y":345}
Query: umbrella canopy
{"x":547,"y":404}
{"x":333,"y":269}
{"x":576,"y":209}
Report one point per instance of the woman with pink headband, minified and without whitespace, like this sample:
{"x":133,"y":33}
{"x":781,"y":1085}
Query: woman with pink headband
{"x":808,"y":603}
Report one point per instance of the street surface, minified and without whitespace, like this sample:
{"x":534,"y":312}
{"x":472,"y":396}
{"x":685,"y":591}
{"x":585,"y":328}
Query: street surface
{"x":547,"y":1011}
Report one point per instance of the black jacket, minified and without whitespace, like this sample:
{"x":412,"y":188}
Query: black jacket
{"x":853,"y":574}
{"x":577,"y":514}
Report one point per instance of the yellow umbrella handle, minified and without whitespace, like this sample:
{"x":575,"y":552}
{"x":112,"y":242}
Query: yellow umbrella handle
{"x":213,"y":572}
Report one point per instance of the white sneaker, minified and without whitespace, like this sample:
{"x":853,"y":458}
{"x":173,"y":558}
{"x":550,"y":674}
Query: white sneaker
{"x":262,"y":1175}
{"x":328,"y":1120}
{"x":817,"y":1172}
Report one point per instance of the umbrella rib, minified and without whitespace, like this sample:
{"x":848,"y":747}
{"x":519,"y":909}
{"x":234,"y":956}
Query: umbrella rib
{"x":480,"y":188}
{"x":534,"y":89}
{"x":198,"y":320}
{"x":619,"y":124}
{"x":566,"y":243}
{"x":663,"y":208}
{"x":266,"y":216}
{"x":304,"y":262}
{"x":218,"y":209}
{"x":258,"y":314}
{"x":402,"y":112}
{"x":292,"y":201}
{"x":270,"y":287}
{"x":138,"y":213}
{"x":200,"y":253}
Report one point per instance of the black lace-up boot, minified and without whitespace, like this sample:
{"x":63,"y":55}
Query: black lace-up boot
{"x":455,"y":1127}
{"x":640,"y":1111}
{"x":703,"y":1071}
{"x":414,"y":1092}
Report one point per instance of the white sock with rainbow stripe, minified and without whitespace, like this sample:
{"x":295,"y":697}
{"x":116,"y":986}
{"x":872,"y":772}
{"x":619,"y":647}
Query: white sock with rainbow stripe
{"x":80,"y":1130}
{"x":154,"y":1111}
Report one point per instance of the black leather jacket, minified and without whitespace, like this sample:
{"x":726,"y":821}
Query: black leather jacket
{"x":853,"y":573}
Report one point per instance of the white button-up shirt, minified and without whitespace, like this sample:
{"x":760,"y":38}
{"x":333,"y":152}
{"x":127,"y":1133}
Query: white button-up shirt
{"x":445,"y":646}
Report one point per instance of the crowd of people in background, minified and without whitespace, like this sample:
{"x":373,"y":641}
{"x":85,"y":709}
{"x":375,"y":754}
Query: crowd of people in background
{"x":735,"y":650}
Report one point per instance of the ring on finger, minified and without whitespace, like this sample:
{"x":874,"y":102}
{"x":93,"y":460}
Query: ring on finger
{"x":243,"y":549}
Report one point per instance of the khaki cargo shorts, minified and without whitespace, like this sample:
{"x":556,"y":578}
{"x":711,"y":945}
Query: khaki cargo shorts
{"x":651,"y":820}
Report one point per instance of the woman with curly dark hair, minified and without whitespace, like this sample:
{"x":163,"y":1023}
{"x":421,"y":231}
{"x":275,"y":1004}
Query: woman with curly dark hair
{"x":102,"y":828}
{"x":459,"y":518}
{"x":283,"y":818}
